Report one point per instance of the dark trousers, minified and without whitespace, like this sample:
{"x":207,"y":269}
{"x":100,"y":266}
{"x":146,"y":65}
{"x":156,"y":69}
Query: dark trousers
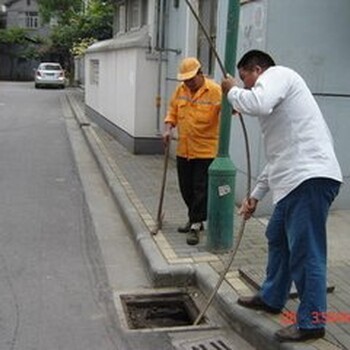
{"x":297,"y":240}
{"x":193,"y":182}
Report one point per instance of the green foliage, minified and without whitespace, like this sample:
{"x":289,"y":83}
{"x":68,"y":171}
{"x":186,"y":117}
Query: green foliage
{"x":89,"y":17}
{"x":17,"y":43}
{"x":80,"y":47}
{"x":97,"y":22}
{"x":62,"y":10}
{"x":13,"y":36}
{"x":79,"y":23}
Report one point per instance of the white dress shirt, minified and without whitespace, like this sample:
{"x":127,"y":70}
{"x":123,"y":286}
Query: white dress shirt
{"x":298,"y":144}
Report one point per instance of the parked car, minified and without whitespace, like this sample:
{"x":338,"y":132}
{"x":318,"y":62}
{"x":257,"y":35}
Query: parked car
{"x":49,"y":74}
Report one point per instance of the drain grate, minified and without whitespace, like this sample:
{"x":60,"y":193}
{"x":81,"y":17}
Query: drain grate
{"x":217,"y":343}
{"x":161,"y":310}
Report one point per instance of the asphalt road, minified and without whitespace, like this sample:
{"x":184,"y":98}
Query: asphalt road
{"x":65,"y":253}
{"x":49,"y":291}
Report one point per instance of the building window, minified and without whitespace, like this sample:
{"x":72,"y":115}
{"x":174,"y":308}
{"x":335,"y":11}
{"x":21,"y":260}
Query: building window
{"x":134,"y":14}
{"x":94,"y":72}
{"x":208,"y":14}
{"x":121,"y":18}
{"x":28,"y":2}
{"x":130,"y":15}
{"x":32,"y":19}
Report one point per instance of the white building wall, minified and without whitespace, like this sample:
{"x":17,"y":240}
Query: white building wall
{"x":310,"y":37}
{"x":124,"y":97}
{"x":113,"y":96}
{"x":145,"y":82}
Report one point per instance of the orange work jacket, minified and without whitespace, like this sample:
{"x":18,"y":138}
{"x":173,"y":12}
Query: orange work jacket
{"x":197,"y":120}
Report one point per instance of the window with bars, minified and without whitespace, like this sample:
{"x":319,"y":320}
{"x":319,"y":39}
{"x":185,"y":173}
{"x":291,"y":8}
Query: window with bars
{"x":32,"y":19}
{"x":94,"y":72}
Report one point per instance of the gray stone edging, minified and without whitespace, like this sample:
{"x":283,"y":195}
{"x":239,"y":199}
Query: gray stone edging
{"x":161,"y":273}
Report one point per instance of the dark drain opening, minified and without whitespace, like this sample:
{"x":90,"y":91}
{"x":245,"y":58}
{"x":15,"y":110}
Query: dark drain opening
{"x":159,"y":310}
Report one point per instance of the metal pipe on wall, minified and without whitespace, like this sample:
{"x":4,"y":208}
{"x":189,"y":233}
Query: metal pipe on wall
{"x":160,"y":48}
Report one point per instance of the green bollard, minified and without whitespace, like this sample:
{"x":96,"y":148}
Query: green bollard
{"x":222,"y":173}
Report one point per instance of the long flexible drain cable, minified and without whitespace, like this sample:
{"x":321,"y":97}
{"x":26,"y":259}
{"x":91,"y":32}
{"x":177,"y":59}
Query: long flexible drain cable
{"x":245,"y":135}
{"x":239,"y":234}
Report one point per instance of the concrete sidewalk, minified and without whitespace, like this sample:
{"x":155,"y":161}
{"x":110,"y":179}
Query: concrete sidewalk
{"x":135,"y":180}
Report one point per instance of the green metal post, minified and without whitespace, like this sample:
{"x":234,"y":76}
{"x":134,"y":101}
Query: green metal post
{"x":222,"y":172}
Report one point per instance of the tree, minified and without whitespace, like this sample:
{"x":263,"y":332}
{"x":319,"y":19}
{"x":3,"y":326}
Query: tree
{"x":13,"y":36}
{"x":17,"y":42}
{"x":63,"y":10}
{"x":17,"y":45}
{"x":78,"y":22}
{"x":97,"y":21}
{"x":89,"y":16}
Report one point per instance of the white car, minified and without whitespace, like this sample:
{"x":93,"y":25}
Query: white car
{"x":50,"y":74}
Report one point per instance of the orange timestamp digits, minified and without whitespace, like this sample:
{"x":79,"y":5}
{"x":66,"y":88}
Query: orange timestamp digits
{"x":290,"y":317}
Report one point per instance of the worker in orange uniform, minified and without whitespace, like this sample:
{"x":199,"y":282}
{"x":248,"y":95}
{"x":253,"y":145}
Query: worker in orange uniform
{"x":194,"y":110}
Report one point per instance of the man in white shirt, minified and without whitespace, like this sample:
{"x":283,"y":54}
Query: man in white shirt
{"x":304,"y":176}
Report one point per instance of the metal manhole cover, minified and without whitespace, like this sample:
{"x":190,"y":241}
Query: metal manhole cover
{"x":213,"y":343}
{"x":161,"y":310}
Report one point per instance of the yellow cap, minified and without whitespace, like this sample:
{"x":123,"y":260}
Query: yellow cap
{"x":188,"y":68}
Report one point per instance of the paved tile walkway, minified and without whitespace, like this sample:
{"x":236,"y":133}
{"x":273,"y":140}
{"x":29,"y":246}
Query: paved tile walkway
{"x":141,"y":175}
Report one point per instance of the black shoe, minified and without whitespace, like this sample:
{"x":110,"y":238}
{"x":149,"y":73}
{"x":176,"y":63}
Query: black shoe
{"x":186,"y":228}
{"x":192,"y":237}
{"x":293,"y":333}
{"x":256,"y":303}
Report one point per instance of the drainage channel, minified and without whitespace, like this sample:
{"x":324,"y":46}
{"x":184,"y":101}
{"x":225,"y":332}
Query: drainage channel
{"x":161,"y":310}
{"x":174,"y":311}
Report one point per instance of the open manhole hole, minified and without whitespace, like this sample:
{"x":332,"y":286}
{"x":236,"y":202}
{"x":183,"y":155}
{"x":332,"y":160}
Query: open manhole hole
{"x":161,"y":310}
